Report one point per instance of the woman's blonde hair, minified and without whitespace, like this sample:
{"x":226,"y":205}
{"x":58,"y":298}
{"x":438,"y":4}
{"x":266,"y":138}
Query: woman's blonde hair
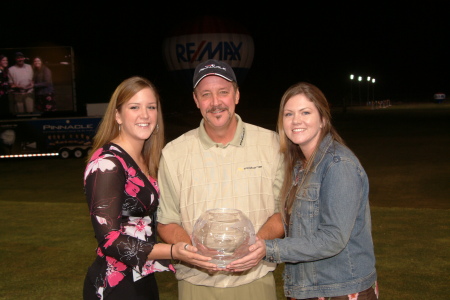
{"x":109,"y":129}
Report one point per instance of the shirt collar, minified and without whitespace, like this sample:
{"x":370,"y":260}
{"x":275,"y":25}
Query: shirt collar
{"x":237,"y":141}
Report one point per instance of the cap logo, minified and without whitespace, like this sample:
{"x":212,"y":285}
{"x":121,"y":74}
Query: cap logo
{"x":211,"y":66}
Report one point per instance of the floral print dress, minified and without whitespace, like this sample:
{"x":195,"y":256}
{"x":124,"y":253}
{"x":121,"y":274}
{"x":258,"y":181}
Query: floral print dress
{"x":122,"y":203}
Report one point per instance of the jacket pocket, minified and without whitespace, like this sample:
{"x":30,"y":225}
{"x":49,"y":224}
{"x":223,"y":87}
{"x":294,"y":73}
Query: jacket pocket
{"x":306,"y":209}
{"x":307,"y":200}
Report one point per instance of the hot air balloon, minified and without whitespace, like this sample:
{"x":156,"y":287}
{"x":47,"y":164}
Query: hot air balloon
{"x":206,"y":38}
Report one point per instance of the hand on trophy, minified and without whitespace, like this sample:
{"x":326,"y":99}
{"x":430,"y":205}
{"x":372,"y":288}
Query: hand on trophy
{"x":188,"y":253}
{"x":257,"y":251}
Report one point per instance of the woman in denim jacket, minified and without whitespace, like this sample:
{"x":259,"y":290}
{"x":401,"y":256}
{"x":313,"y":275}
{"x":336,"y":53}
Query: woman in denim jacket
{"x":328,"y":249}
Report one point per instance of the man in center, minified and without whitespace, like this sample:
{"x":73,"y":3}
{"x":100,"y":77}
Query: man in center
{"x":224,"y":163}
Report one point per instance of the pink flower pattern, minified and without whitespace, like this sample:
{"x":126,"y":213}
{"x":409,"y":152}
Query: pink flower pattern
{"x":375,"y":287}
{"x":134,"y":183}
{"x":122,"y":203}
{"x":114,"y":271}
{"x":139,"y":227}
{"x":111,"y":237}
{"x":353,"y":296}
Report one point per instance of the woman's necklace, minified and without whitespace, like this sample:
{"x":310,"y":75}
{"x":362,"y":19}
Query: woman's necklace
{"x":297,"y":177}
{"x":302,"y":168}
{"x":288,"y":203}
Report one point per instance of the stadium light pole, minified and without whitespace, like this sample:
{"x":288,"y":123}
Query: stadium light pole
{"x":373,"y":89}
{"x":368,"y":89}
{"x":351,"y":88}
{"x":359,"y":88}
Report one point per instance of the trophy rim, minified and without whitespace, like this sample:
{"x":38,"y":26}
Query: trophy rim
{"x":225,"y":209}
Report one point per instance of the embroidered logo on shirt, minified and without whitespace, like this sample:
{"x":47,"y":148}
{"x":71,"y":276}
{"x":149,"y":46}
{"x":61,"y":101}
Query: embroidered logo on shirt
{"x":249,"y":168}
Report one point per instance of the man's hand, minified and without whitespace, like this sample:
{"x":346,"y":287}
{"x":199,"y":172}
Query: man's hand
{"x":252,"y":259}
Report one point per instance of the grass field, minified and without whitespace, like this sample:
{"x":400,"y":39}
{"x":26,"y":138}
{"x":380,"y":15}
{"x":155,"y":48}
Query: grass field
{"x":47,"y":243}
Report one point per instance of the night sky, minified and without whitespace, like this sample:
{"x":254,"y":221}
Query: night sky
{"x":405,"y":47}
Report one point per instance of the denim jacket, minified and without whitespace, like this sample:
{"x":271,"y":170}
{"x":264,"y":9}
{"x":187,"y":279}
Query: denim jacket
{"x":328,"y":250}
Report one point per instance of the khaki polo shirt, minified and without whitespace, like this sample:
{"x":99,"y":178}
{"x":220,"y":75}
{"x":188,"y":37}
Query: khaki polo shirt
{"x":197,"y":174}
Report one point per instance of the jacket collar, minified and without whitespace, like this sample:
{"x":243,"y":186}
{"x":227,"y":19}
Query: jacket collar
{"x":325,"y":144}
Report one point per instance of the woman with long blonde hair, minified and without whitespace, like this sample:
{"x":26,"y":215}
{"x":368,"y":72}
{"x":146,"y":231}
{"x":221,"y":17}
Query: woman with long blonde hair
{"x":122,"y":192}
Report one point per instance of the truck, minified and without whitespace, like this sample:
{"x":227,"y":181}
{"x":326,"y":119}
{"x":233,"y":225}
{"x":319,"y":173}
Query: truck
{"x":63,"y":137}
{"x":58,"y":130}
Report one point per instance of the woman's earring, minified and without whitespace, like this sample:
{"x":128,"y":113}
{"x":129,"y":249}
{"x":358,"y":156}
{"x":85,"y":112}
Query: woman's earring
{"x":119,"y":126}
{"x":155,"y":131}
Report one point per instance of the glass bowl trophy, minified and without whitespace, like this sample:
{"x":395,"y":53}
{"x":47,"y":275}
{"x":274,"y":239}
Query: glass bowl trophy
{"x":223,"y":234}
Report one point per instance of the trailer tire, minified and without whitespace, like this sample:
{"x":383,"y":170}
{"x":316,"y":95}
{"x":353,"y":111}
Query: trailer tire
{"x":64,"y":153}
{"x":78,"y":153}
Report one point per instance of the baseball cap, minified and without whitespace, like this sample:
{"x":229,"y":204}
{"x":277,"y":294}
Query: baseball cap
{"x":213,"y":67}
{"x":19,"y":54}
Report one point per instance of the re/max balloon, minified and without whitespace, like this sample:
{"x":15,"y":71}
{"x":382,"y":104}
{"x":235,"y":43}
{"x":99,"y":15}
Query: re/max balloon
{"x":208,"y":38}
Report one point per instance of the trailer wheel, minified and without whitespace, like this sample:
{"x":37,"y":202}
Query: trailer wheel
{"x":78,"y":153}
{"x":64,"y":153}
